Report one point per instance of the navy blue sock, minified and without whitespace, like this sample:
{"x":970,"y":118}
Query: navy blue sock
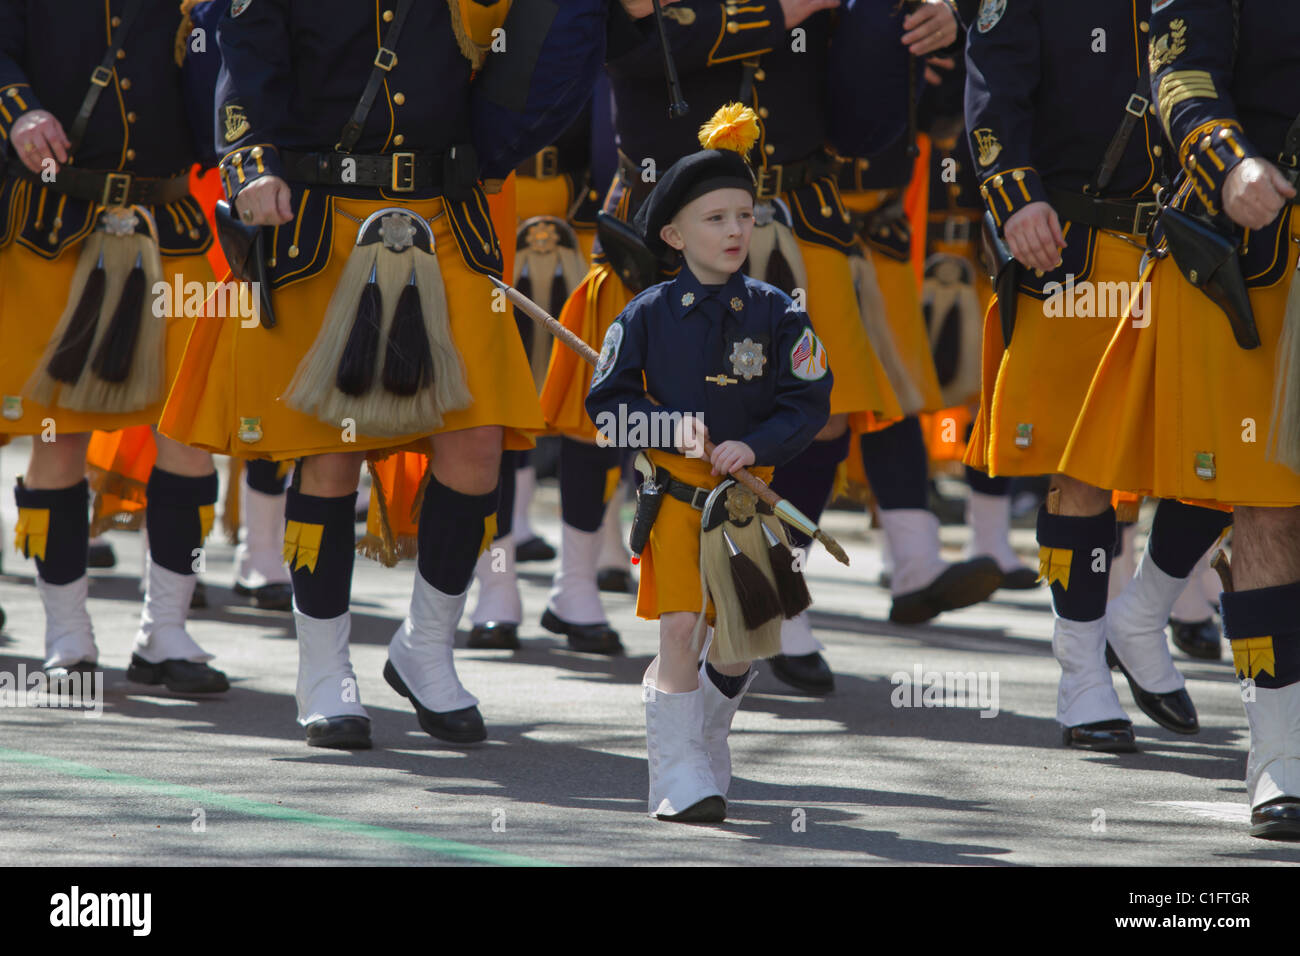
{"x":1265,"y":634}
{"x":264,"y":476}
{"x":1120,"y":528}
{"x":730,"y":686}
{"x":583,"y":469}
{"x":54,"y":523}
{"x":978,"y":481}
{"x":454,"y":530}
{"x":506,"y":493}
{"x":1068,"y":549}
{"x":897,"y":465}
{"x":807,"y":479}
{"x":1181,"y":534}
{"x":320,"y":541}
{"x":174,"y":518}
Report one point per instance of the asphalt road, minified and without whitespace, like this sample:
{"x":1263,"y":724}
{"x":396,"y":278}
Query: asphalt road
{"x":849,"y":779}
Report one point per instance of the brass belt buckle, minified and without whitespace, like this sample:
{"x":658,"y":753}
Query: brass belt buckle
{"x":546,"y":164}
{"x":117,"y":187}
{"x":1137,"y":105}
{"x":1143,"y":210}
{"x":385,"y":59}
{"x":698,"y":497}
{"x":766,"y":177}
{"x":101,"y":75}
{"x":403,"y":178}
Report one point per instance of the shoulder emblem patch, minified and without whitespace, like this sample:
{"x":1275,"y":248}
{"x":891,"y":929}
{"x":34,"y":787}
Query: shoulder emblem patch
{"x":988,"y":145}
{"x":239,"y":6}
{"x":236,"y":121}
{"x":990,"y":13}
{"x":808,"y":357}
{"x":608,"y":353}
{"x":1159,"y":5}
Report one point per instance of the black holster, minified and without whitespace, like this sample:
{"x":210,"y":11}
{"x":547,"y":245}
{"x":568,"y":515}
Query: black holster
{"x":1004,"y":271}
{"x":243,"y":248}
{"x":627,"y":252}
{"x":649,"y":499}
{"x":1208,"y":260}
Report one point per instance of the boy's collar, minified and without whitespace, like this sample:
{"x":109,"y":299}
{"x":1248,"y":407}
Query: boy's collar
{"x":687,"y":291}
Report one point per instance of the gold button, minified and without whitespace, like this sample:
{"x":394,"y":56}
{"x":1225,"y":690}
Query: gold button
{"x":1156,"y":150}
{"x":13,"y":93}
{"x":293,"y":252}
{"x":121,"y":54}
{"x":388,"y":16}
{"x":130,"y":117}
{"x":53,"y":237}
{"x":271,"y":262}
{"x":760,"y":75}
{"x":399,"y":139}
{"x":1191,"y":162}
{"x":997,"y":181}
{"x":762,"y":111}
{"x":593,"y":195}
{"x":984,"y":191}
{"x":130,"y":154}
{"x":58,"y":222}
{"x":733,"y":27}
{"x":1144,"y":26}
{"x":124,"y":83}
{"x":256,"y":152}
{"x":194,"y":233}
{"x":1018,"y":175}
{"x":237,"y":159}
{"x":399,"y":98}
{"x":826,"y":212}
{"x":1205,"y":143}
{"x":846,"y":217}
{"x":769,"y":149}
{"x":115,"y":22}
{"x":864,"y":165}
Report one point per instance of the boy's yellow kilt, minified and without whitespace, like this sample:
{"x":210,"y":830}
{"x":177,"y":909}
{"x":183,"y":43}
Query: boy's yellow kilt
{"x":1033,"y":390}
{"x":670,"y":562}
{"x":1178,"y":410}
{"x":33,"y":295}
{"x":229,"y":398}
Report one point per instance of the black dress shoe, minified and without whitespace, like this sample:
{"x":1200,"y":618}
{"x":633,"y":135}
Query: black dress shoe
{"x":269,"y":597}
{"x":100,"y":554}
{"x":1173,"y":710}
{"x":808,"y":672}
{"x":1277,"y":820}
{"x":340,"y":733}
{"x":60,"y":673}
{"x":708,"y":810}
{"x":199,"y":599}
{"x":614,"y":580}
{"x":179,"y":677}
{"x":1199,"y":639}
{"x":1021,"y":579}
{"x":961,"y":585}
{"x":464,"y":726}
{"x":494,"y":635}
{"x":1105,"y":736}
{"x":534,"y":549}
{"x":587,"y":638}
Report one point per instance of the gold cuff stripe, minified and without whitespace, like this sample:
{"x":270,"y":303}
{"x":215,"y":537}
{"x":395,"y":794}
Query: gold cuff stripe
{"x":1181,"y":86}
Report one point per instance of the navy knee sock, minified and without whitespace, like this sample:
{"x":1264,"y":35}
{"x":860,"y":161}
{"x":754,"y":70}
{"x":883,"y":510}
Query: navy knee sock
{"x":454,"y":530}
{"x":729,"y":686}
{"x":583,"y":470}
{"x":320,"y":541}
{"x":506,"y":493}
{"x":175,"y":518}
{"x":264,"y":476}
{"x":978,"y":481}
{"x":1074,"y":555}
{"x":807,"y":480}
{"x":1181,"y":534}
{"x":54,"y":528}
{"x":1262,"y":626}
{"x":897,"y":465}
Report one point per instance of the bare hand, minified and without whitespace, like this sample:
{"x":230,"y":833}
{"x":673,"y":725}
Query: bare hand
{"x":689,"y":436}
{"x":636,"y":9}
{"x":1034,"y":237}
{"x":930,"y":28}
{"x":37,"y":136}
{"x":935,"y":64}
{"x":264,"y":202}
{"x":797,"y":11}
{"x":730,"y":456}
{"x":1254,"y":193}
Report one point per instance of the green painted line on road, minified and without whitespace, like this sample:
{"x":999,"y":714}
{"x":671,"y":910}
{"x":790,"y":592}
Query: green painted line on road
{"x":210,"y":798}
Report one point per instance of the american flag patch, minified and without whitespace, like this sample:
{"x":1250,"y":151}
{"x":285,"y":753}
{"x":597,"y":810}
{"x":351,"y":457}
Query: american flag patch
{"x":808,"y":357}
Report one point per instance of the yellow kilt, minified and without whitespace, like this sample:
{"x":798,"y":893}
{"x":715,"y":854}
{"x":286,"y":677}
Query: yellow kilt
{"x":550,"y":197}
{"x":1178,"y":410}
{"x":234,"y":375}
{"x":33,"y":295}
{"x":670,"y":562}
{"x":1034,"y":389}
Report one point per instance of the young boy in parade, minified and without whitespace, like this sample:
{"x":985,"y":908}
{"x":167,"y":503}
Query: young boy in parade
{"x":739,"y":361}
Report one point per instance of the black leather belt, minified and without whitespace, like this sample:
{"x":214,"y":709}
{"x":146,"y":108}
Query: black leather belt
{"x":110,"y":188}
{"x":954,"y":229}
{"x":547,"y":164}
{"x":683,"y":491}
{"x":1114,"y":215}
{"x":395,"y":172}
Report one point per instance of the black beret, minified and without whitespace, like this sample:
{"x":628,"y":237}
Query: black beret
{"x":688,"y":179}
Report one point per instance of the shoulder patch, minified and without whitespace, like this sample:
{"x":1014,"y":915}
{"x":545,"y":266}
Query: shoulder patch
{"x":990,"y":13}
{"x":608,"y":353}
{"x":807,"y":357}
{"x":1159,"y":5}
{"x":239,"y":6}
